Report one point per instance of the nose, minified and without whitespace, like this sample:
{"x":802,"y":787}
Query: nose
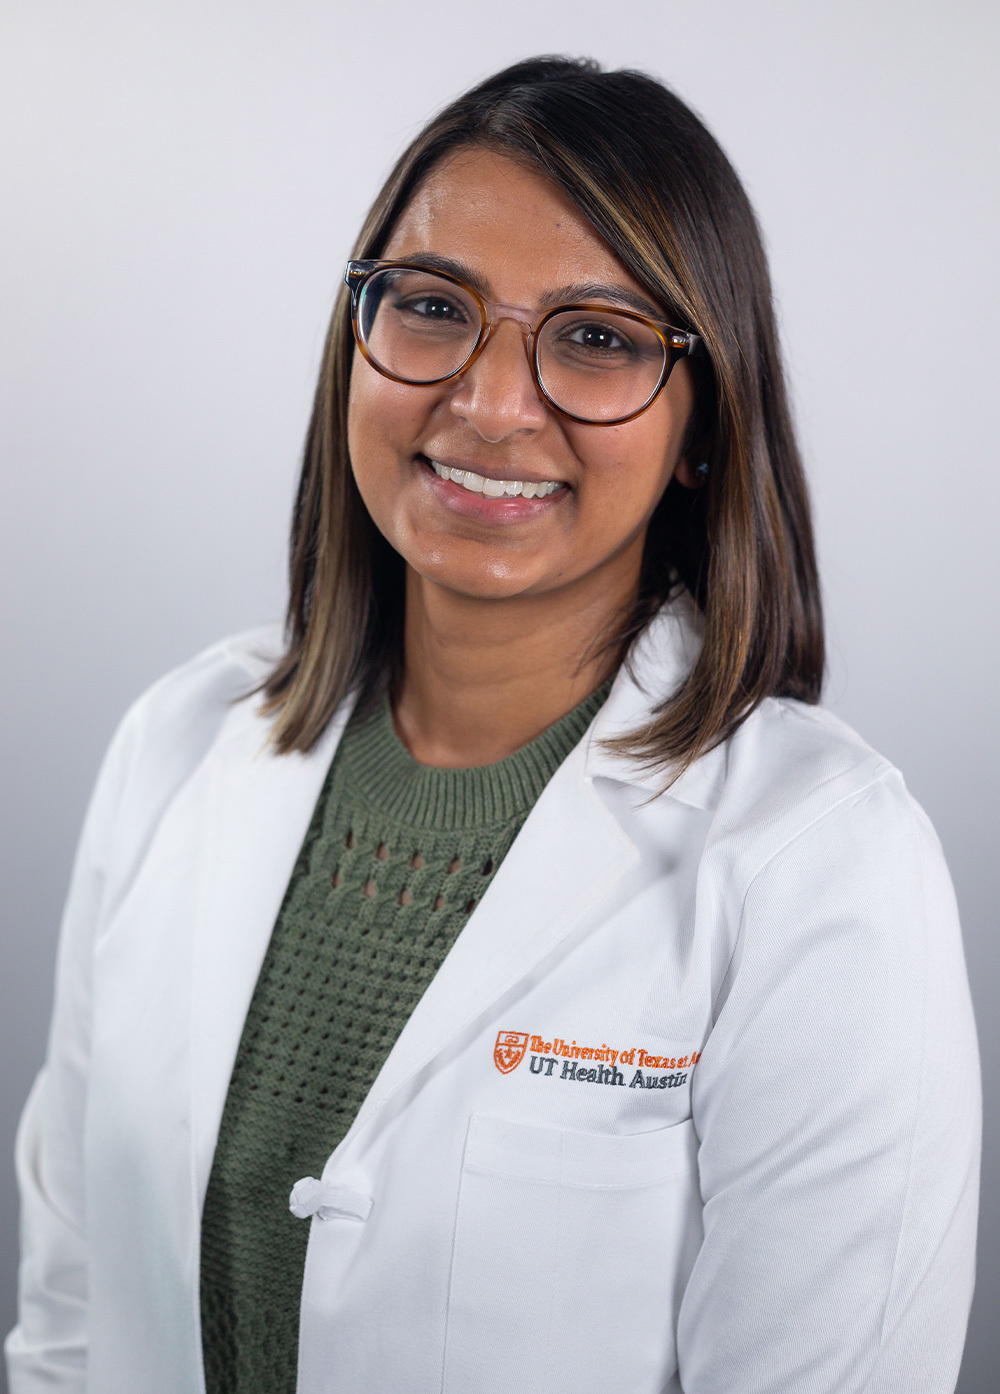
{"x":497,"y":394}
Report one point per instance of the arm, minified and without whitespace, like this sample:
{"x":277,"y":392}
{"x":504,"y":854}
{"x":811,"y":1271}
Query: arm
{"x":161,"y":740}
{"x":838,"y":1107}
{"x":47,"y":1350}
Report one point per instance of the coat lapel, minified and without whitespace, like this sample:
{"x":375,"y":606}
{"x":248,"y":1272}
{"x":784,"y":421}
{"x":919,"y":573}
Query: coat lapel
{"x":259,"y":809}
{"x":569,"y":854}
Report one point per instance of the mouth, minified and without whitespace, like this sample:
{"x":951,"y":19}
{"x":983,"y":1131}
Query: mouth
{"x":490,"y":487}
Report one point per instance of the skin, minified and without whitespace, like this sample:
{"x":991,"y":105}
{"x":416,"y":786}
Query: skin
{"x":506,"y":601}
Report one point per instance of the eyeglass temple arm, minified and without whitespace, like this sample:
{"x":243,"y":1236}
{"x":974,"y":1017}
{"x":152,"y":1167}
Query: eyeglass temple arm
{"x":682,"y":341}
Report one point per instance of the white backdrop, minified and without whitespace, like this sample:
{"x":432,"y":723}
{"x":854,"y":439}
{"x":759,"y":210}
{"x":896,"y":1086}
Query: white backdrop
{"x":181,"y":184}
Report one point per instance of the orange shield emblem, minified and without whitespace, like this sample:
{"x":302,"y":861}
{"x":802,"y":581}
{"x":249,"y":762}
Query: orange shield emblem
{"x":509,"y":1050}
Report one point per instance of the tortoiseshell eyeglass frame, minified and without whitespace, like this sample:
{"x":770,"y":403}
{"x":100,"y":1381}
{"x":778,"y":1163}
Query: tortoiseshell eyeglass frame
{"x":677,"y":343}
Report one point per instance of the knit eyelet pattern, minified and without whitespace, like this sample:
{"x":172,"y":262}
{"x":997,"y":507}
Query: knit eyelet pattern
{"x":397,"y":858}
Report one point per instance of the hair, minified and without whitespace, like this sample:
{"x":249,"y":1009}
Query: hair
{"x":657,"y":187}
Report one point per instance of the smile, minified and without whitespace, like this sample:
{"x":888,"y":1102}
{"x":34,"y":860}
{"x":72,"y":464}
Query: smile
{"x":496,"y":488}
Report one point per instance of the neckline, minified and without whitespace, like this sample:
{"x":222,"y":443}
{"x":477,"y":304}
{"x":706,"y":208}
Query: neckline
{"x":430,"y":796}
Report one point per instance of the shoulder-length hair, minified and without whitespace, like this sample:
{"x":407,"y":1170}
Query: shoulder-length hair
{"x":657,"y":187}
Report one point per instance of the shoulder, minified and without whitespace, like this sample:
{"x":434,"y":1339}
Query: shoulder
{"x":789,"y":768}
{"x":181,"y":714}
{"x":800,"y":786}
{"x":790,"y":763}
{"x":168,"y":731}
{"x":197,"y":693}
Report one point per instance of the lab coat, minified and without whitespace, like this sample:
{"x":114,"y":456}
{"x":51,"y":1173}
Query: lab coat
{"x":692,"y":1103}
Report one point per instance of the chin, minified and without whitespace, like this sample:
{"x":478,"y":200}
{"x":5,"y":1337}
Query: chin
{"x":488,"y":578}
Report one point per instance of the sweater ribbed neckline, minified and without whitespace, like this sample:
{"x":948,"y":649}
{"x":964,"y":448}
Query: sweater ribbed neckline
{"x":429,"y":796}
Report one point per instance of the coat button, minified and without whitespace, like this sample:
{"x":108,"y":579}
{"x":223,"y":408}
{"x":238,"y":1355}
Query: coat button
{"x":311,"y":1197}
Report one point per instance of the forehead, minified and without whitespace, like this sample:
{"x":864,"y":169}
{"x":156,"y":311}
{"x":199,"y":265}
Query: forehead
{"x":518,"y":231}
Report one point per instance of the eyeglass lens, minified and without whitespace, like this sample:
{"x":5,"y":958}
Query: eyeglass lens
{"x":597,"y":365}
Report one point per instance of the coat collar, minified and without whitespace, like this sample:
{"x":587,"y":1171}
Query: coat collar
{"x":657,"y":665}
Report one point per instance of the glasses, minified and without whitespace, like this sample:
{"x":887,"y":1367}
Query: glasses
{"x":591,"y":363}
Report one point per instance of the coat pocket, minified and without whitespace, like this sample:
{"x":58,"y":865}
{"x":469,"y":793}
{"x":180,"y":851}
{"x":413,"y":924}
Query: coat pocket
{"x":570,"y":1258}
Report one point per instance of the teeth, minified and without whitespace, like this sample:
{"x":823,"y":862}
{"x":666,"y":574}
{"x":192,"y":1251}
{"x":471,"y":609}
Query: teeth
{"x":496,"y":488}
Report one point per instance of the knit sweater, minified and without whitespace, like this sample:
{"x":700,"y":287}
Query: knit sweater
{"x":396,"y":857}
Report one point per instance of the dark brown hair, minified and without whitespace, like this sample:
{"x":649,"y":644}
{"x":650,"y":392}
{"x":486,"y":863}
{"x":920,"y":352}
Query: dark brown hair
{"x":657,"y":187}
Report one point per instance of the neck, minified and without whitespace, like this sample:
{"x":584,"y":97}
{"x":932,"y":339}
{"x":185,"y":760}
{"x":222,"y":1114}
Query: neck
{"x":482,"y":678}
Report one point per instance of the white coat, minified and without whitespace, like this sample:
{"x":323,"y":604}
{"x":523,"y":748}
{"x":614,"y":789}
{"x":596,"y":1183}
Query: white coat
{"x":692,"y":1103}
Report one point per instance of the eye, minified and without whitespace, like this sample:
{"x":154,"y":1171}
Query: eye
{"x":597,"y":337}
{"x":590,"y":342}
{"x":434,"y":307}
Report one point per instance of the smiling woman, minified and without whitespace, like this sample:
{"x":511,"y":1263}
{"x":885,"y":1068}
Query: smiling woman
{"x":534,"y":791}
{"x":567,"y":560}
{"x":534,"y":190}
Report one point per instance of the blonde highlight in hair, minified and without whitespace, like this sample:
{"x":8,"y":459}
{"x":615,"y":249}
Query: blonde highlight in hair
{"x":656,"y":186}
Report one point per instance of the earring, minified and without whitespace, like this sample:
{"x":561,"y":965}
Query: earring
{"x":702,"y":470}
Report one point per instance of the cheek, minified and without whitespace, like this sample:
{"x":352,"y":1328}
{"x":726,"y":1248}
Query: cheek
{"x":373,"y":420}
{"x":372,"y":430}
{"x":627,"y":468}
{"x":386,"y":422}
{"x":384,"y":419}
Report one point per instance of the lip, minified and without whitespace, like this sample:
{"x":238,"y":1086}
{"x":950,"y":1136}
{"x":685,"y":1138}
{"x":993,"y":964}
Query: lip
{"x":502,"y":510}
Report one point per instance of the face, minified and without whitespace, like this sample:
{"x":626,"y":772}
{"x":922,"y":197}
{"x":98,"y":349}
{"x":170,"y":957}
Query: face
{"x":520,"y":241}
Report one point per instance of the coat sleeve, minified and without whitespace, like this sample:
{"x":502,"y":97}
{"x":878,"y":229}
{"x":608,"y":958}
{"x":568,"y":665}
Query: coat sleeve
{"x":47,"y":1350}
{"x":837,"y":1104}
{"x":161,"y":740}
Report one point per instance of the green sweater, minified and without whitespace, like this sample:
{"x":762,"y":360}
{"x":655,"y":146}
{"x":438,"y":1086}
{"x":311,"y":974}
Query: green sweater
{"x":396,"y":857}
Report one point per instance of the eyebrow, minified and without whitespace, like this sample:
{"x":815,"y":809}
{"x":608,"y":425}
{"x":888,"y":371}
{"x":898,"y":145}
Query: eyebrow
{"x":596,"y":290}
{"x":564,"y":295}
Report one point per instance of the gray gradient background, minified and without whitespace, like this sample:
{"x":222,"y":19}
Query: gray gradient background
{"x":181,"y":185}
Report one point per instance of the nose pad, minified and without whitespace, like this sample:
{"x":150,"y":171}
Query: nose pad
{"x":527,"y":333}
{"x":527,"y":338}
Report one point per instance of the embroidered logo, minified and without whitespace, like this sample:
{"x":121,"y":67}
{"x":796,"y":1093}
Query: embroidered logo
{"x":509,"y":1050}
{"x":592,"y":1064}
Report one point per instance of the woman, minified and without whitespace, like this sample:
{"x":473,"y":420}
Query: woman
{"x":529,"y":986}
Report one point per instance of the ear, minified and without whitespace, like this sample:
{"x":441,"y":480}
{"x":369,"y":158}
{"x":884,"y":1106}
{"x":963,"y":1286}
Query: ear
{"x":684,"y":472}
